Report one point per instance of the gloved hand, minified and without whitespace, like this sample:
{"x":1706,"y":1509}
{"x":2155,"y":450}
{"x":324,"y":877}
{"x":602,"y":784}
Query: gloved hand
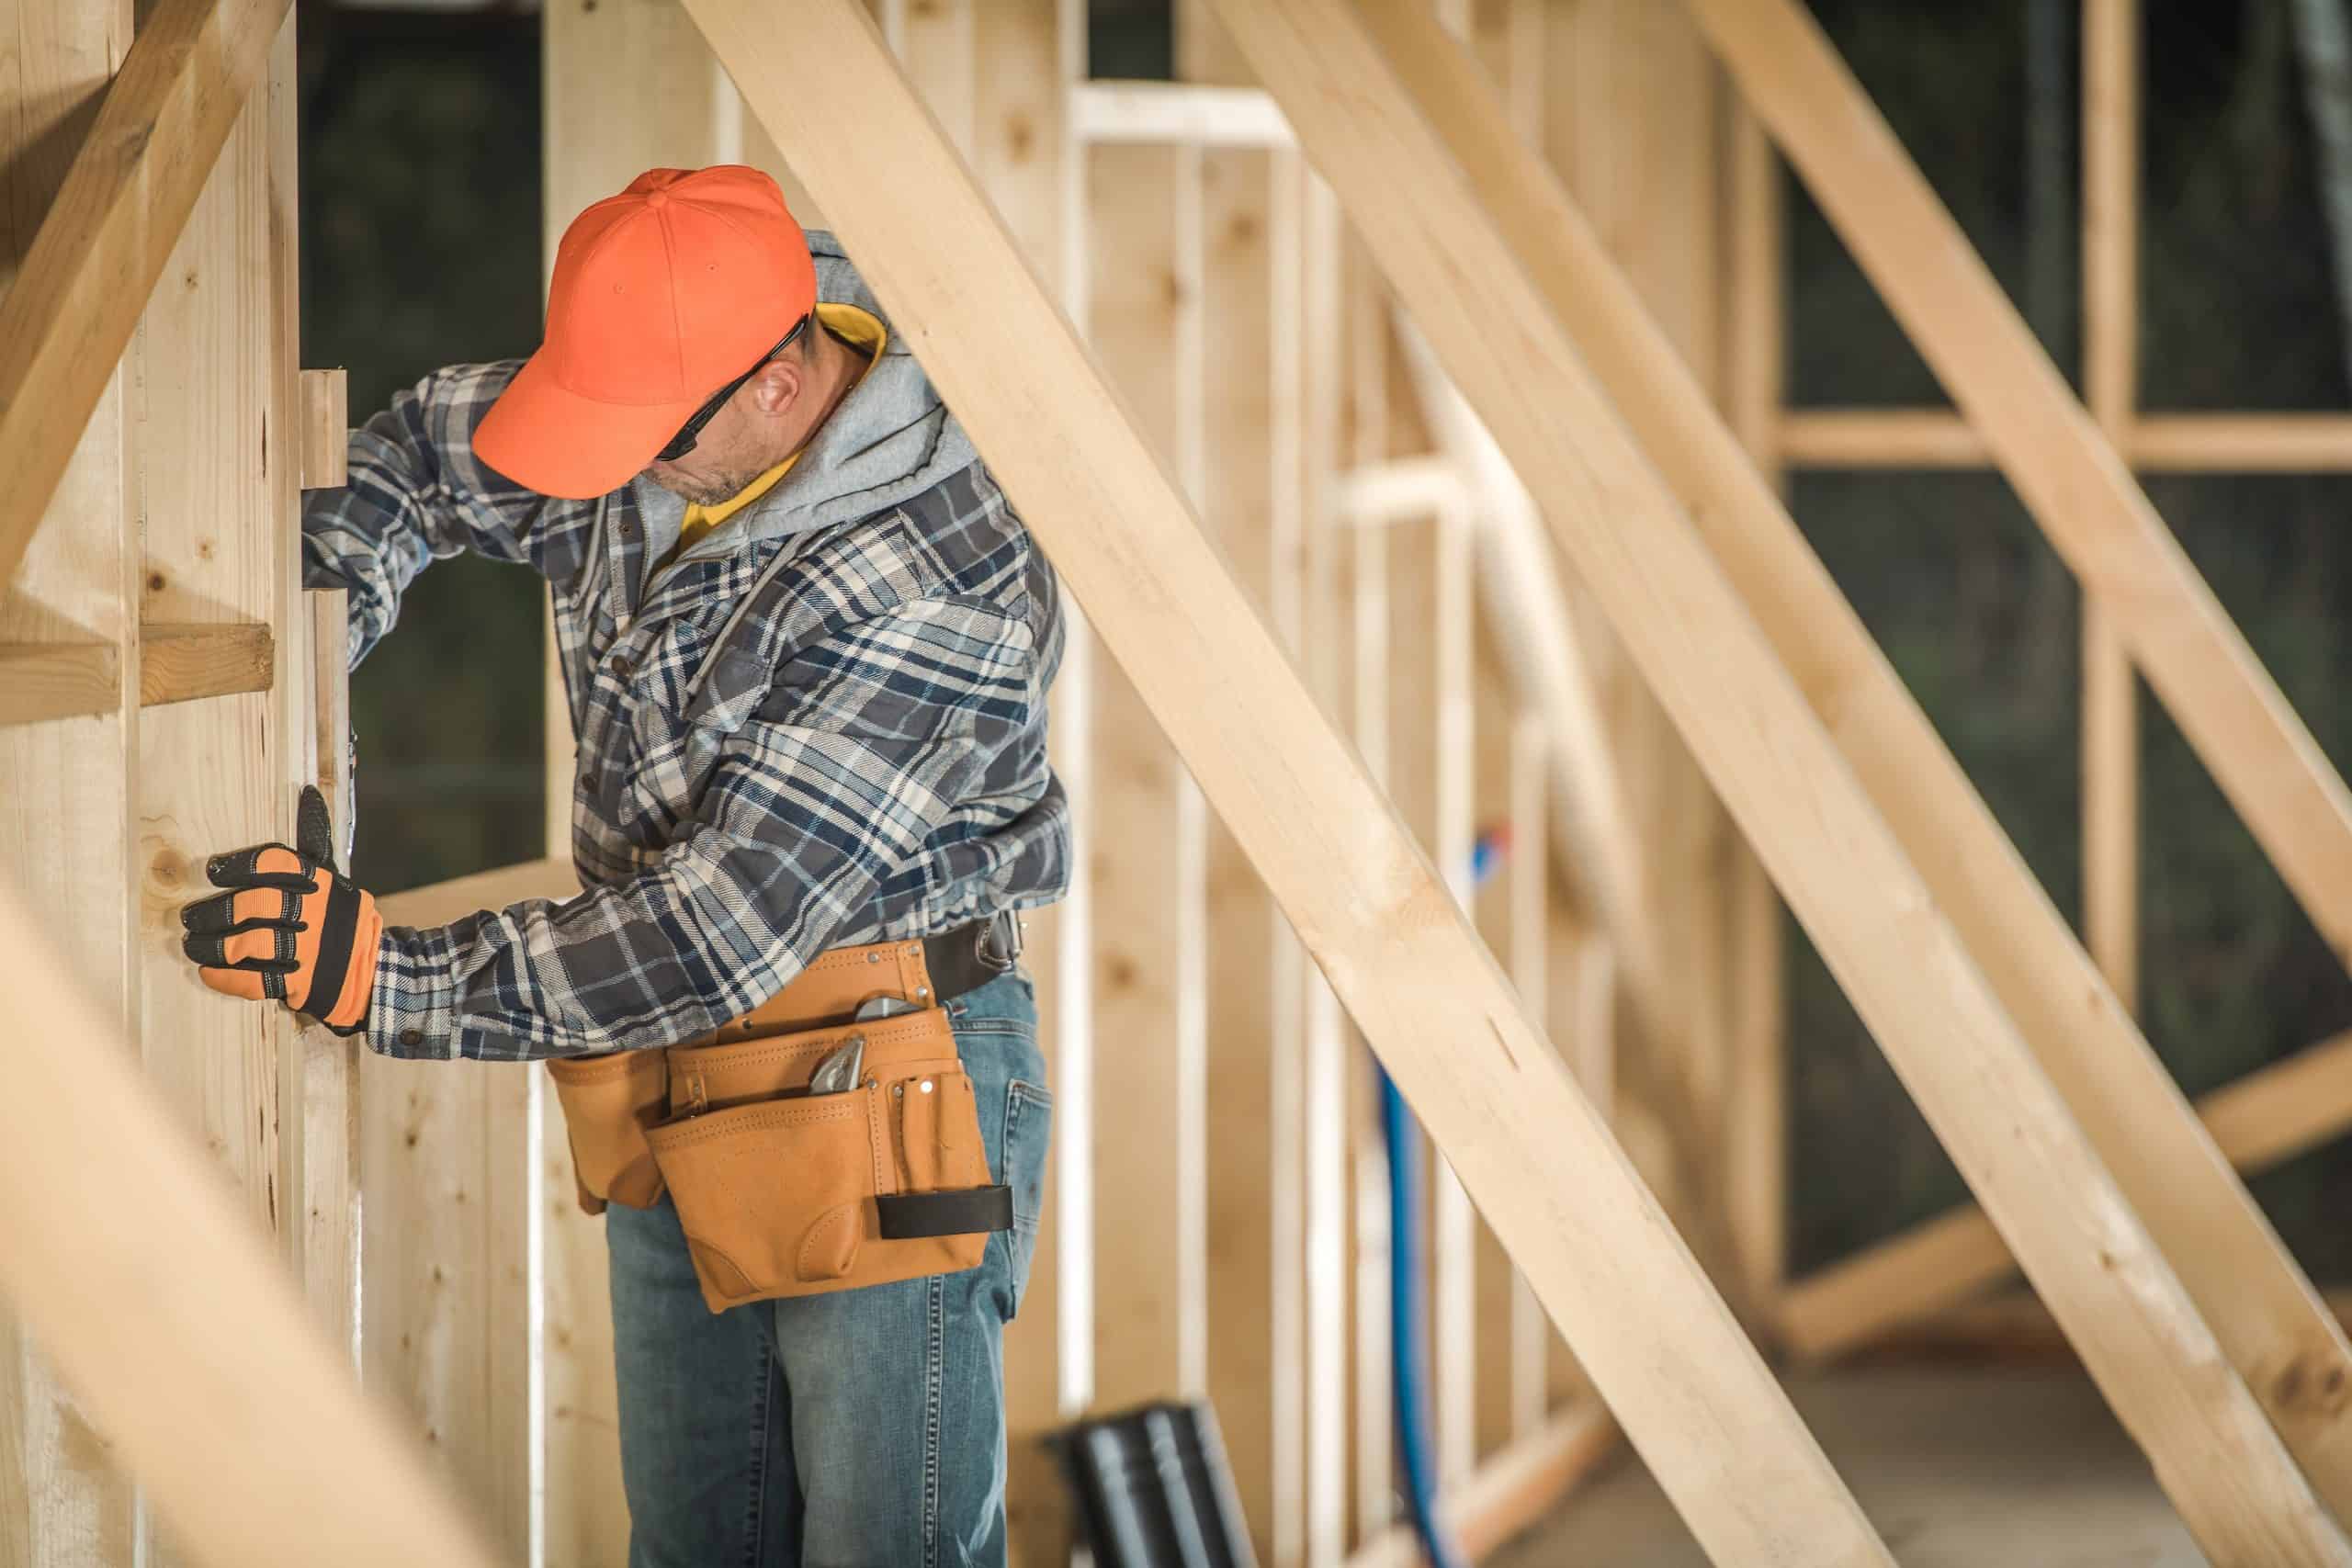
{"x":291,"y":928}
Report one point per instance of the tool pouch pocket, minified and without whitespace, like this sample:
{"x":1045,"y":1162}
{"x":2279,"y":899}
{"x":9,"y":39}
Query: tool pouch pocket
{"x":782,"y":1192}
{"x":608,"y":1103}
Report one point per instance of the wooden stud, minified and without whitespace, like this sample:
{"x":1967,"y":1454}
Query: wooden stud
{"x":76,"y":299}
{"x":2064,"y":471}
{"x":1306,"y":229}
{"x":1023,"y":156}
{"x":1362,"y":898}
{"x":1755,"y":1156}
{"x":329,"y":1146}
{"x":66,"y":812}
{"x":2259,"y":1122}
{"x":1747,"y":718}
{"x":2110,"y":711}
{"x":1254,"y":999}
{"x":2262,"y":1309}
{"x":326,"y":429}
{"x":218,"y":410}
{"x":1499,"y":904}
{"x":1364,"y":316}
{"x":1531,"y":971}
{"x":1147,"y":845}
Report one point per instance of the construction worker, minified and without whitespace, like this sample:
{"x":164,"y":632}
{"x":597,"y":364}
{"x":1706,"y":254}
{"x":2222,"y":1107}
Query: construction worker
{"x":806,"y":643}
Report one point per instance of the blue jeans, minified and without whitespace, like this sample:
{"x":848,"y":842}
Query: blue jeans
{"x":865,"y":1427}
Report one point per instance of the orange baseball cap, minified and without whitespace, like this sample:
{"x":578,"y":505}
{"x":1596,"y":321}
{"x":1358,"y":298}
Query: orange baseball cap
{"x":662,"y":295}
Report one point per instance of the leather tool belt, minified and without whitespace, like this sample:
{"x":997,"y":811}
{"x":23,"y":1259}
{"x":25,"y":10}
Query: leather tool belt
{"x":787,"y":1187}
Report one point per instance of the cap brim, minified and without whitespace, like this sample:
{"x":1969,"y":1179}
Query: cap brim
{"x":552,"y":440}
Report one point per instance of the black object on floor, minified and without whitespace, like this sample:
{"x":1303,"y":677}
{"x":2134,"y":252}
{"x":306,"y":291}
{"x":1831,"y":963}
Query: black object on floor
{"x":1153,"y":1489}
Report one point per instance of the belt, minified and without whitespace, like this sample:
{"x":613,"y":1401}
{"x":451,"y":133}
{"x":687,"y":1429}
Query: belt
{"x":882,"y":978}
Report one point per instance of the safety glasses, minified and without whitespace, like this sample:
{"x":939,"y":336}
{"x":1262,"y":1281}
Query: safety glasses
{"x":684,"y":442}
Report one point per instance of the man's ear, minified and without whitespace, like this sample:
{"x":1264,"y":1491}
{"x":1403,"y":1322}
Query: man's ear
{"x":778,"y":386}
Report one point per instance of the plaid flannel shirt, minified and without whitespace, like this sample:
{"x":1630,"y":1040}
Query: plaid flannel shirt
{"x":787,"y":741}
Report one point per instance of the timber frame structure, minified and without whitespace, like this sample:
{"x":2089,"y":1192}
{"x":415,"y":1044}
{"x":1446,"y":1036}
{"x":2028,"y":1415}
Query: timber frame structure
{"x":1288,"y":443}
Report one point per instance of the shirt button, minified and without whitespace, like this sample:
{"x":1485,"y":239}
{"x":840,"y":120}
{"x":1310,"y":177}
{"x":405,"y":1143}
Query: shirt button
{"x":412,"y":1037}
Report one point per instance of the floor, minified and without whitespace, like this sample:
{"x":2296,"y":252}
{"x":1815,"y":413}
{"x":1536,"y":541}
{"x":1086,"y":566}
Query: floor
{"x":1959,"y":1466}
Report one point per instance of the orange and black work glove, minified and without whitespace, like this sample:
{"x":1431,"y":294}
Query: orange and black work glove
{"x":291,"y":928}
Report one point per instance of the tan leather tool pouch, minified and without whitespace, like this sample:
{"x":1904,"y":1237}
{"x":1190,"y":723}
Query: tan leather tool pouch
{"x":608,"y":1102}
{"x":786,"y":1193}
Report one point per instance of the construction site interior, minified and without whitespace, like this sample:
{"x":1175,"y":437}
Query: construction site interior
{"x":1645,"y":568}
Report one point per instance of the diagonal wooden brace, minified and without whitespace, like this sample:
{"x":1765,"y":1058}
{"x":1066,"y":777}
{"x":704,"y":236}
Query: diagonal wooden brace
{"x":68,"y":317}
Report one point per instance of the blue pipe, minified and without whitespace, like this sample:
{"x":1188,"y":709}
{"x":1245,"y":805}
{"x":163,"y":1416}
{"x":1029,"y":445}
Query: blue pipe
{"x":1407,"y":1280}
{"x":1408,"y":1323}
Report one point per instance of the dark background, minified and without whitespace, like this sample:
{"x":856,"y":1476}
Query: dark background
{"x":421,"y":229}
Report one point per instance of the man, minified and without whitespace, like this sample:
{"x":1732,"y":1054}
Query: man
{"x":806,"y":643}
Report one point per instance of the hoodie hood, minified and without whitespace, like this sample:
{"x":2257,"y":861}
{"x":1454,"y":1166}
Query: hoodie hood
{"x":891,"y":438}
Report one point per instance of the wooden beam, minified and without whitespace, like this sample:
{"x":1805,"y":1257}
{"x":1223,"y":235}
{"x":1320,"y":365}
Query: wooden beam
{"x":43,"y":682}
{"x":1190,"y":114}
{"x":1878,"y":438}
{"x":2261,"y":1121}
{"x":1306,"y":221}
{"x":2243,"y":444}
{"x":179,"y":663}
{"x":75,"y":303}
{"x":2253,"y":1294}
{"x":2065,"y":471}
{"x":1509,"y":1492}
{"x":1025,"y":157}
{"x":2110,"y":692}
{"x":169,"y":1316}
{"x":68,"y":820}
{"x":1364,"y":316}
{"x":1528,"y":811}
{"x":1256,"y":1344}
{"x":1401,"y":489}
{"x":2180,"y":443}
{"x":328,"y":1181}
{"x":1747,"y":720}
{"x":1150,"y":865}
{"x":438,"y":903}
{"x":1756,"y":1099}
{"x":1362,"y":898}
{"x":326,"y":428}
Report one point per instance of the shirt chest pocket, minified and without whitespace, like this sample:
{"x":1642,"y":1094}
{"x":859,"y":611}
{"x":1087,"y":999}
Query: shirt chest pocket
{"x":649,"y":769}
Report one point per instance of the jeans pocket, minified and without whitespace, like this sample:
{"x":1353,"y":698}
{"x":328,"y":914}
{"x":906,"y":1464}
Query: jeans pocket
{"x":1028,"y":1134}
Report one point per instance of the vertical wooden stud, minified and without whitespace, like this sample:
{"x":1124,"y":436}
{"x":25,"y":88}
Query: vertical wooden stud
{"x":66,"y":818}
{"x":2110,"y":383}
{"x":1146,"y":852}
